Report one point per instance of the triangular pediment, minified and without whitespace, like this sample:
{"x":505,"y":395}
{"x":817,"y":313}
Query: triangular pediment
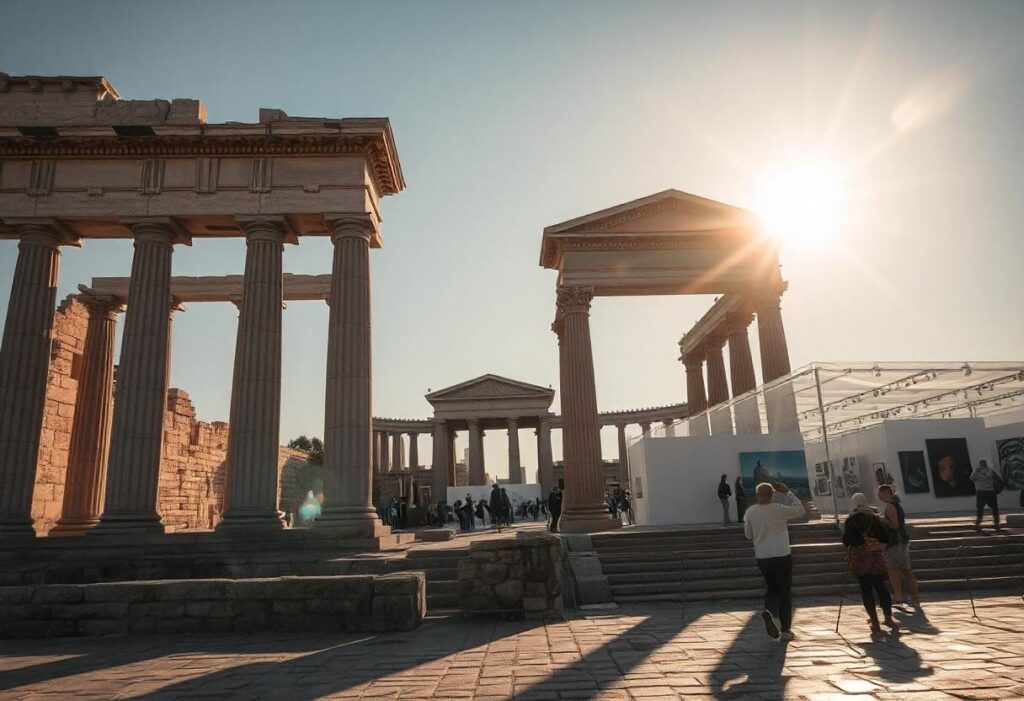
{"x":664,"y":212}
{"x":490,"y":387}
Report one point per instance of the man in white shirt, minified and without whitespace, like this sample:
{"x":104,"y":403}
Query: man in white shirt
{"x":765,"y":524}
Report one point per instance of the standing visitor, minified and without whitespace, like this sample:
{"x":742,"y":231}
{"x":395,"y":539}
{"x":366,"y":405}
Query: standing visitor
{"x":987,"y":485}
{"x":555,"y":507}
{"x":626,"y":506}
{"x":723,"y":496}
{"x":741,"y":499}
{"x":470,"y":513}
{"x":506,"y":507}
{"x":460,"y":514}
{"x":765,"y":524}
{"x":865,"y":538}
{"x":897,"y":554}
{"x":494,"y":504}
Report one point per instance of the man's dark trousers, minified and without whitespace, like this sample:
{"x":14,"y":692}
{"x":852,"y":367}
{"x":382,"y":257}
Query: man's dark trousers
{"x":778,"y":578}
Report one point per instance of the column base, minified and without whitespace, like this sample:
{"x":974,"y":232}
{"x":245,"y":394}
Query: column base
{"x":358,"y":520}
{"x":127,"y":524}
{"x":74,"y":526}
{"x":251,"y":519}
{"x":16,"y":528}
{"x":587,"y":519}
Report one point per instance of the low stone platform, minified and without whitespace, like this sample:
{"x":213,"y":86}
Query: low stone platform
{"x":395,"y":602}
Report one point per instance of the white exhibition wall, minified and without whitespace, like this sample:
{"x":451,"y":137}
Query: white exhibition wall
{"x":675,"y":480}
{"x":883,"y":443}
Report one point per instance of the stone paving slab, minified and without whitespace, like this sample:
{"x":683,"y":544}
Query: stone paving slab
{"x":641,"y":652}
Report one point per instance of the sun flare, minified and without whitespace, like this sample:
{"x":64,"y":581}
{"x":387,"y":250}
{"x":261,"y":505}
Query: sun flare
{"x":802,"y":204}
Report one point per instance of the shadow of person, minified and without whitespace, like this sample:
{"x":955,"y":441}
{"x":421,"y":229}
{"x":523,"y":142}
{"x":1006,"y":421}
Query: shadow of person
{"x":752,"y":666}
{"x":897,"y":662}
{"x":915,"y":621}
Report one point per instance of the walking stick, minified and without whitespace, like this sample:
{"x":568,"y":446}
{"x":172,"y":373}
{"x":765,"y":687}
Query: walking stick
{"x":842,"y":598}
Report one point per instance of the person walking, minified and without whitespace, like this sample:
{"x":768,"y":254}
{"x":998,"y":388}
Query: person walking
{"x":494,"y":506}
{"x":987,"y":484}
{"x":723,"y":496}
{"x":865,"y":538}
{"x":897,"y":554}
{"x":555,"y":507}
{"x":765,"y":525}
{"x":506,"y":507}
{"x":470,"y":513}
{"x":626,"y":507}
{"x":741,"y":499}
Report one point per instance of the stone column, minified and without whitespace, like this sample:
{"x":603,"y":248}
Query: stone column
{"x":385,"y":451}
{"x":375,"y":447}
{"x":439,"y":460}
{"x":583,"y":508}
{"x":136,"y":442}
{"x":696,"y":399}
{"x":90,"y":434}
{"x":741,"y":373}
{"x":477,"y":471}
{"x":348,"y":412}
{"x":645,"y":427}
{"x":414,"y":451}
{"x":514,"y":461}
{"x":545,"y":461}
{"x":24,"y":367}
{"x":780,"y":405}
{"x":397,"y":452}
{"x":718,"y":386}
{"x":623,"y":457}
{"x":254,"y":427}
{"x":452,"y":471}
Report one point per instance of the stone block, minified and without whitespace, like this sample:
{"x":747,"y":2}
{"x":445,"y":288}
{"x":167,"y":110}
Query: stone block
{"x":37,"y":629}
{"x":190,"y":590}
{"x":102,"y":626}
{"x":510,"y":593}
{"x":16,"y":595}
{"x":397,"y":612}
{"x":207,"y":609}
{"x":533,"y":604}
{"x":288,"y":608}
{"x":14,"y":612}
{"x":493,"y":574}
{"x":158,"y":609}
{"x":399,"y":583}
{"x":117,"y":591}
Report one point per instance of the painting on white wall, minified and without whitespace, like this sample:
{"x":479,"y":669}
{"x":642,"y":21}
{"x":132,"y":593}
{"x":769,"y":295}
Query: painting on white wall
{"x":951,"y":467}
{"x":851,"y":475}
{"x":915,"y":476}
{"x":822,"y":486}
{"x":882,"y":476}
{"x":1011,"y":462}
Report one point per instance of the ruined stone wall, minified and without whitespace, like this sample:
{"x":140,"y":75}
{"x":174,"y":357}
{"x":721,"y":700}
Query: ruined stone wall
{"x":69,"y":327}
{"x":192,"y":473}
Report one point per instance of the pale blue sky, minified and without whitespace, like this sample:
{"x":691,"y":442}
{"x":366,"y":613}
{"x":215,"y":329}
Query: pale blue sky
{"x":510,"y":116}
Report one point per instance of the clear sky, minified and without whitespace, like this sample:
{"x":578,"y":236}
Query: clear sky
{"x":510,"y":116}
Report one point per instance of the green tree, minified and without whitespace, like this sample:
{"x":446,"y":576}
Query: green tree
{"x":314,"y":447}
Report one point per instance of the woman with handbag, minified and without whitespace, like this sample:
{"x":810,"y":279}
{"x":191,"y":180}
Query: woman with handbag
{"x":866,"y":538}
{"x":897,"y":554}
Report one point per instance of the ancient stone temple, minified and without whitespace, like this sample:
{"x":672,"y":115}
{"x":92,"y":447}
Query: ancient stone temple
{"x":78,"y":162}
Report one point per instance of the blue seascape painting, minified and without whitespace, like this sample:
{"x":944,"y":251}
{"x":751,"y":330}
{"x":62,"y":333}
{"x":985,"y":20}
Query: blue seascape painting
{"x":789,"y":466}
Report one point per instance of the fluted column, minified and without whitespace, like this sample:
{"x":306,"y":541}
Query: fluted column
{"x":779,"y":401}
{"x":439,"y":460}
{"x":453,"y":477}
{"x":545,"y":462}
{"x":397,"y":452}
{"x":741,"y":372}
{"x":136,"y":441}
{"x":375,"y":447}
{"x":347,"y":472}
{"x":718,"y":386}
{"x":251,"y":491}
{"x":414,"y":451}
{"x":24,"y":366}
{"x":477,"y":471}
{"x":385,"y":451}
{"x":583,"y":509}
{"x":623,"y":457}
{"x":90,"y":433}
{"x":696,"y":398}
{"x":514,"y":461}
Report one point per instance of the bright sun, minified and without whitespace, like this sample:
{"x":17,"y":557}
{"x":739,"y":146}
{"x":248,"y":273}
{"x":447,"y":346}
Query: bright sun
{"x":801,"y":204}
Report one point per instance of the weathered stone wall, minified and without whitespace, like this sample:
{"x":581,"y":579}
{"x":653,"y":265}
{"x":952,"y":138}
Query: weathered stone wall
{"x":337,"y":603}
{"x":522,"y":574}
{"x":192,"y":472}
{"x":69,"y":327}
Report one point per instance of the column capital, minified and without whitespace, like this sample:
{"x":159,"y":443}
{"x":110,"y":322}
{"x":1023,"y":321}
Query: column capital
{"x":713,"y":343}
{"x":473,"y":423}
{"x":558,"y":326}
{"x":738,"y":322}
{"x":693,"y":361}
{"x":102,"y":305}
{"x":275,"y":228}
{"x":158,"y":230}
{"x":574,"y":300}
{"x":44,"y":231}
{"x":767,"y":297}
{"x":352,"y":225}
{"x":512,"y":421}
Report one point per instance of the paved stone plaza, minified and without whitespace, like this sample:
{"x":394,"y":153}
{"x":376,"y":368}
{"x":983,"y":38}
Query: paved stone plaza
{"x":638,"y":652}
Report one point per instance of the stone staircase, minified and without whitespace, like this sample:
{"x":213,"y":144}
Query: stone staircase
{"x":719,"y":563}
{"x":441,"y":566}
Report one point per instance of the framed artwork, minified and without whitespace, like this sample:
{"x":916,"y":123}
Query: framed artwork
{"x":915,"y":476}
{"x":788,"y":466}
{"x":950,"y":467}
{"x":1011,"y":461}
{"x":822,"y":485}
{"x":882,"y":476}
{"x":851,"y":475}
{"x":838,"y":481}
